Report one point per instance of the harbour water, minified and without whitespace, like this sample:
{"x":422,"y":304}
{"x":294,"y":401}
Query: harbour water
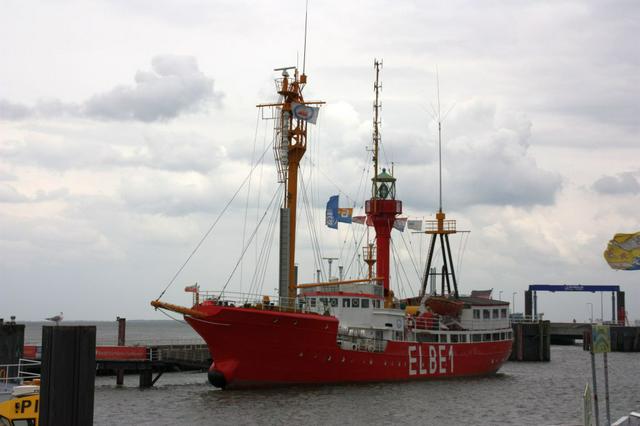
{"x":521,"y":394}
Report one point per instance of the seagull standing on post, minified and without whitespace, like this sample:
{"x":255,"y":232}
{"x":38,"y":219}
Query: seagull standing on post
{"x":56,"y":318}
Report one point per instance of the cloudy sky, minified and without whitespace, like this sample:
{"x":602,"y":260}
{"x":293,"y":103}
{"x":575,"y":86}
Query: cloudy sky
{"x":126,"y":126}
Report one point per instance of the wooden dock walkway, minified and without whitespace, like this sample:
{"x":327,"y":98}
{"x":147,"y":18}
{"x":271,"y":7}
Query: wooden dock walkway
{"x":144,"y":360}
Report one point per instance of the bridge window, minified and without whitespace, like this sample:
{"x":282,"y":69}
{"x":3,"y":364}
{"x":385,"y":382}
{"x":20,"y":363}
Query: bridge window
{"x":476,"y":314}
{"x":503,"y":313}
{"x":312,"y":302}
{"x":346,"y":302}
{"x":376,"y":304}
{"x":502,"y":336}
{"x":324,"y":301}
{"x":476,"y":338}
{"x":486,"y":337}
{"x":23,"y":422}
{"x":355,"y":303}
{"x":334,"y":302}
{"x":443,"y":338}
{"x":463,"y":338}
{"x":496,"y":336}
{"x":454,"y":338}
{"x":496,"y":313}
{"x":486,"y":314}
{"x":364,"y":303}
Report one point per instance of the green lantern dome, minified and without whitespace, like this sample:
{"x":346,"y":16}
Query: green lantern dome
{"x":384,"y":177}
{"x":384,"y":186}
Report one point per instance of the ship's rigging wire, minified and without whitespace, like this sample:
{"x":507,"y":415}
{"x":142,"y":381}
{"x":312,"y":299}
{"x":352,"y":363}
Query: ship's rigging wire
{"x":348,"y":235}
{"x":331,"y":181}
{"x":354,"y":255}
{"x":313,"y":232}
{"x":406,"y":276}
{"x":399,"y":284}
{"x":253,"y":234}
{"x":206,"y":234}
{"x":309,"y":202}
{"x":359,"y":196}
{"x":264,"y":142}
{"x":246,"y":201}
{"x":417,"y":259}
{"x":162,"y":311}
{"x":262,"y":262}
{"x":415,"y":267}
{"x":398,"y":262}
{"x":461,"y":249}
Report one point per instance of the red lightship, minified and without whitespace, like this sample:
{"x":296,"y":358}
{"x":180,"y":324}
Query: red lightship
{"x":346,"y":330}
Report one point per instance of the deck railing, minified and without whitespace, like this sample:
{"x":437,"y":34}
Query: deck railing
{"x":526,"y":318}
{"x":12,"y":375}
{"x":358,"y":288}
{"x":255,"y":301}
{"x":440,"y":323}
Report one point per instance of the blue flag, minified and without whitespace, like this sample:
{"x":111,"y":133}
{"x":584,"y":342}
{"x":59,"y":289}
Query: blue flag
{"x":332,"y":212}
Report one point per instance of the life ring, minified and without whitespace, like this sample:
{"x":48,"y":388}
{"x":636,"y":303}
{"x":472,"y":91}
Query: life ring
{"x":370,"y":348}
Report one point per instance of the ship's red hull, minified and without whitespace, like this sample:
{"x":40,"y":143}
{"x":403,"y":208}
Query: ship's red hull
{"x":251,"y":347}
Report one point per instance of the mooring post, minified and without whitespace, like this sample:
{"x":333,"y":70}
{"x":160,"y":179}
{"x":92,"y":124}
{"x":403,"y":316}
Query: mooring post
{"x":606,"y":388}
{"x":146,"y":378}
{"x":613,"y":307}
{"x":122,"y":326}
{"x":68,"y":375}
{"x":11,"y":346}
{"x":621,"y":308}
{"x":527,"y":304}
{"x":595,"y":387}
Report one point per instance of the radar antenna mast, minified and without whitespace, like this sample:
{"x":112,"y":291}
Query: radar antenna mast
{"x":441,"y":228}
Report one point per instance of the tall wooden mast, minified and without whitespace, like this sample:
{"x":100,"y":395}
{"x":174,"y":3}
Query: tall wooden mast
{"x":292,"y":116}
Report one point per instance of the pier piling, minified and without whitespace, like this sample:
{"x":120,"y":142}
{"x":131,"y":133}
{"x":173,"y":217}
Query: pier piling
{"x":531,"y":341}
{"x":68,"y":375}
{"x":122,"y":326}
{"x":11,"y":344}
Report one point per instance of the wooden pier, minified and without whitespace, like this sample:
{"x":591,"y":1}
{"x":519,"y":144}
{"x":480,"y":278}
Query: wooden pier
{"x":149,"y":361}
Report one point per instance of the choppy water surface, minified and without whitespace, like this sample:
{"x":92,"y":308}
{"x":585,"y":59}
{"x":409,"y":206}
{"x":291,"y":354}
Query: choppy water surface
{"x":522,"y":394}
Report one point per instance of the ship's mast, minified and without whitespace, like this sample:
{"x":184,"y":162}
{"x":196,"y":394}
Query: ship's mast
{"x":289,"y":147}
{"x":376,"y":117}
{"x":383,"y":207}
